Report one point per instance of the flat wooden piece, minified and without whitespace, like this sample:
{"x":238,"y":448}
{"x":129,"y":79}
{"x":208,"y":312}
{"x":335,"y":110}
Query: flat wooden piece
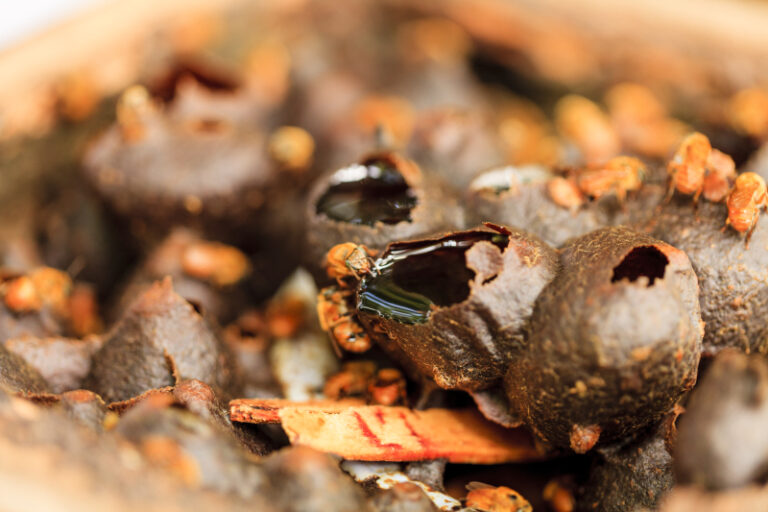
{"x":375,"y":433}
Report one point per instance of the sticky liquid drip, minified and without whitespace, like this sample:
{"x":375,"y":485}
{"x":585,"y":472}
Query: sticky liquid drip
{"x":412,"y":278}
{"x":366,"y":193}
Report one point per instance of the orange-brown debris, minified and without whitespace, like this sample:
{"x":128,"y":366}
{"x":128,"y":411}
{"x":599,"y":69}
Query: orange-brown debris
{"x":495,"y":499}
{"x":583,"y":438}
{"x":220,"y":264}
{"x":293,"y":148}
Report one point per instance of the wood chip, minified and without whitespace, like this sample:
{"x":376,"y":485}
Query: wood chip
{"x":355,"y":431}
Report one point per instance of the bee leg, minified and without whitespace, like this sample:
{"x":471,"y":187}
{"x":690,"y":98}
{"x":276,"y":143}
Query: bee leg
{"x":752,"y":229}
{"x":725,"y":226}
{"x":696,"y":197}
{"x":621,"y":197}
{"x":670,"y":188}
{"x":335,"y":345}
{"x":668,"y":196}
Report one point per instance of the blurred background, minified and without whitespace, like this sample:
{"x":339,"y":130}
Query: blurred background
{"x":461,"y":86}
{"x":20,"y":21}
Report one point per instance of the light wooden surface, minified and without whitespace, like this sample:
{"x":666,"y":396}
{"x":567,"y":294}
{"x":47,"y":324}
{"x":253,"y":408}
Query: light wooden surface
{"x":718,"y":44}
{"x":107,"y":41}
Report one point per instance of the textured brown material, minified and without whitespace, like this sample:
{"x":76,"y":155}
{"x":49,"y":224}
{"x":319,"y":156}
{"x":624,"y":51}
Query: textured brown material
{"x":167,"y":259}
{"x":467,"y":345}
{"x":209,"y":173}
{"x":530,"y":207}
{"x":403,"y":497}
{"x":38,"y":308}
{"x":494,"y":405}
{"x":18,"y":375}
{"x":133,"y":360}
{"x":457,"y":144}
{"x":721,"y":442}
{"x":144,"y":180}
{"x":86,"y":472}
{"x":305,"y":480}
{"x":391,"y":433}
{"x":200,"y":452}
{"x":63,"y":362}
{"x":634,"y":474}
{"x":615,"y":339}
{"x":695,"y":499}
{"x":82,"y":406}
{"x":75,"y":228}
{"x":733,"y":279}
{"x":85,"y":407}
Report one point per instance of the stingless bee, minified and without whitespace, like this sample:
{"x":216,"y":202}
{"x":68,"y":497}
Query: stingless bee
{"x":565,"y":192}
{"x":347,"y":263}
{"x":618,"y":175}
{"x":721,"y":172}
{"x":688,"y":167}
{"x":744,"y":202}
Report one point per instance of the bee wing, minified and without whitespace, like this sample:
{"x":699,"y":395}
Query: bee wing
{"x":474,"y":486}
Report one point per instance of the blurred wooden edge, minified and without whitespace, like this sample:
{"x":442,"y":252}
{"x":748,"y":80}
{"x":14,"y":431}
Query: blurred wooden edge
{"x":703,"y":47}
{"x":721,"y":44}
{"x":107,"y":40}
{"x":737,"y":25}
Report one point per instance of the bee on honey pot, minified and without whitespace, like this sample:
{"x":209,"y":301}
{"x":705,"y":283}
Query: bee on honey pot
{"x":619,"y":176}
{"x":744,"y":202}
{"x":346,"y":263}
{"x":721,"y":172}
{"x":565,"y":192}
{"x":688,"y":167}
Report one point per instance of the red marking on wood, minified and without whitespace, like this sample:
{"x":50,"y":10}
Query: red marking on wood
{"x":379,"y":415}
{"x":423,"y":442}
{"x":367,"y":432}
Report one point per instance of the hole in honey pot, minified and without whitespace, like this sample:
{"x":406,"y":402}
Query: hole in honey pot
{"x":369,"y":192}
{"x":440,"y":275}
{"x":645,"y":261}
{"x":412,"y":278}
{"x":165,"y":87}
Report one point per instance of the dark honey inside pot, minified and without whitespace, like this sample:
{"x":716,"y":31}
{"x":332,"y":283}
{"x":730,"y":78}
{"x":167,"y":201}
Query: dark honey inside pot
{"x":369,"y":192}
{"x":412,"y":278}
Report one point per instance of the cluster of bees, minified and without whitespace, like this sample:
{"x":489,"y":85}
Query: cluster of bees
{"x":347,"y":263}
{"x":619,"y":176}
{"x":696,"y":170}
